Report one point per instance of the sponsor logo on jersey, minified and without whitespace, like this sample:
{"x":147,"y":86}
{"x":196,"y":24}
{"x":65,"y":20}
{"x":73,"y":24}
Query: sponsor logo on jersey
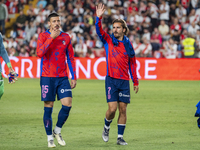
{"x":65,"y":90}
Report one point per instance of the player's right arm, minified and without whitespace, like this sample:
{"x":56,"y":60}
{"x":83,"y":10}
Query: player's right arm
{"x":100,"y":32}
{"x":43,"y":44}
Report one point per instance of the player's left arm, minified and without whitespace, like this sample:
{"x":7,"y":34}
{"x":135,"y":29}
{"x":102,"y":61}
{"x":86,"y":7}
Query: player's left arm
{"x":71,"y":64}
{"x":133,"y":73}
{"x":4,"y":55}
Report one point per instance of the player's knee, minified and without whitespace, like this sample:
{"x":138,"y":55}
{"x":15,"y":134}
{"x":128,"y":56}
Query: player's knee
{"x":48,"y":103}
{"x":112,"y":110}
{"x":122,"y":111}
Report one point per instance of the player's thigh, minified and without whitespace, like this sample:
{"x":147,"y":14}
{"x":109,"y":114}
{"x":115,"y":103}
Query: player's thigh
{"x":112,"y":92}
{"x":48,"y":103}
{"x":64,"y":90}
{"x":67,"y":101}
{"x":48,"y":89}
{"x":124,"y":91}
{"x":112,"y":106}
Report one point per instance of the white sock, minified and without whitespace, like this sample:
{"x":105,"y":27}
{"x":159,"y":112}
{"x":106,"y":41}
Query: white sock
{"x":49,"y":137}
{"x":57,"y":130}
{"x":120,"y":136}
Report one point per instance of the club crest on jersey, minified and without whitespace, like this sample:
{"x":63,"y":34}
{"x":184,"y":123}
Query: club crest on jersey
{"x":63,"y":42}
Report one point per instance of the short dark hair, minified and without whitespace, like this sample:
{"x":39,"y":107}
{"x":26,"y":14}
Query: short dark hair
{"x":54,"y":14}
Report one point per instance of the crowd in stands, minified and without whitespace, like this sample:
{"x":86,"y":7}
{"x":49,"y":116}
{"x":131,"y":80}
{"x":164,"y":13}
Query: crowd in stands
{"x":157,"y":28}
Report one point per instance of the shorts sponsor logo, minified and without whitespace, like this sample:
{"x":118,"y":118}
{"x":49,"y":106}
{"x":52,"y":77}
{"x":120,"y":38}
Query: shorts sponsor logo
{"x":65,"y":90}
{"x":123,"y":95}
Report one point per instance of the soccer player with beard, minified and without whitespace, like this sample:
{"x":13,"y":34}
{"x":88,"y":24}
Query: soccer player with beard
{"x":120,"y":58}
{"x":53,"y":47}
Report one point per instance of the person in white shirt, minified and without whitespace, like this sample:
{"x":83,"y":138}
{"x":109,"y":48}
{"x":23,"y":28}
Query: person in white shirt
{"x":192,"y":29}
{"x":193,"y":16}
{"x":153,"y":13}
{"x":164,"y":11}
{"x":146,"y":48}
{"x":181,"y":13}
{"x":170,"y":49}
{"x":146,"y":34}
{"x":80,"y":49}
{"x":137,"y":46}
{"x":194,"y":3}
{"x":133,"y":18}
{"x":145,"y":21}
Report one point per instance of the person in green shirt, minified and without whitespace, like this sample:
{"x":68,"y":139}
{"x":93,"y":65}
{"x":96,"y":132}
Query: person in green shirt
{"x":12,"y":76}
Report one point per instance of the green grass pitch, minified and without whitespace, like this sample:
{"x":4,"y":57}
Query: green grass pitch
{"x":160,"y":117}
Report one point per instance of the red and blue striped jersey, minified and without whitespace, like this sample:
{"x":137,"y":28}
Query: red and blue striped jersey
{"x":118,"y":63}
{"x":53,"y":53}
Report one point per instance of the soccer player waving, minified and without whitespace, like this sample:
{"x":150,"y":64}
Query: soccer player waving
{"x":120,"y":58}
{"x":53,"y":47}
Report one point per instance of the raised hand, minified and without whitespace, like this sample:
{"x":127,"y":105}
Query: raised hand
{"x":100,"y":10}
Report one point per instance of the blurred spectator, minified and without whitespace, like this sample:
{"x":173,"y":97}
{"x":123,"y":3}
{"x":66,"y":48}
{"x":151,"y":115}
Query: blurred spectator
{"x":90,"y":53}
{"x":145,"y":20}
{"x":176,"y":38}
{"x":193,"y":17}
{"x":40,"y":19}
{"x":12,"y":52}
{"x":153,"y":13}
{"x":30,"y":30}
{"x":33,"y":52}
{"x":137,"y":45}
{"x":146,"y":34}
{"x":164,"y":30}
{"x":170,"y":49}
{"x":12,"y":6}
{"x":90,"y":42}
{"x":5,"y":43}
{"x":131,"y":7}
{"x":42,"y":2}
{"x":156,"y":40}
{"x":181,"y":14}
{"x":12,"y":43}
{"x":198,"y":43}
{"x":133,"y":18}
{"x":164,"y":11}
{"x":31,"y":13}
{"x":192,"y":29}
{"x":20,"y":22}
{"x":189,"y":46}
{"x":78,"y":12}
{"x":183,"y":34}
{"x":172,"y":12}
{"x":194,"y":4}
{"x":33,"y":42}
{"x":80,"y":49}
{"x":117,"y":15}
{"x":53,"y":3}
{"x":3,"y":16}
{"x":23,"y":52}
{"x":146,"y":48}
{"x":142,"y":7}
{"x":175,"y":26}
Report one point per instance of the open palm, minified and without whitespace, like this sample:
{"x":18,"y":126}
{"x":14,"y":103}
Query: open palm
{"x":100,"y":10}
